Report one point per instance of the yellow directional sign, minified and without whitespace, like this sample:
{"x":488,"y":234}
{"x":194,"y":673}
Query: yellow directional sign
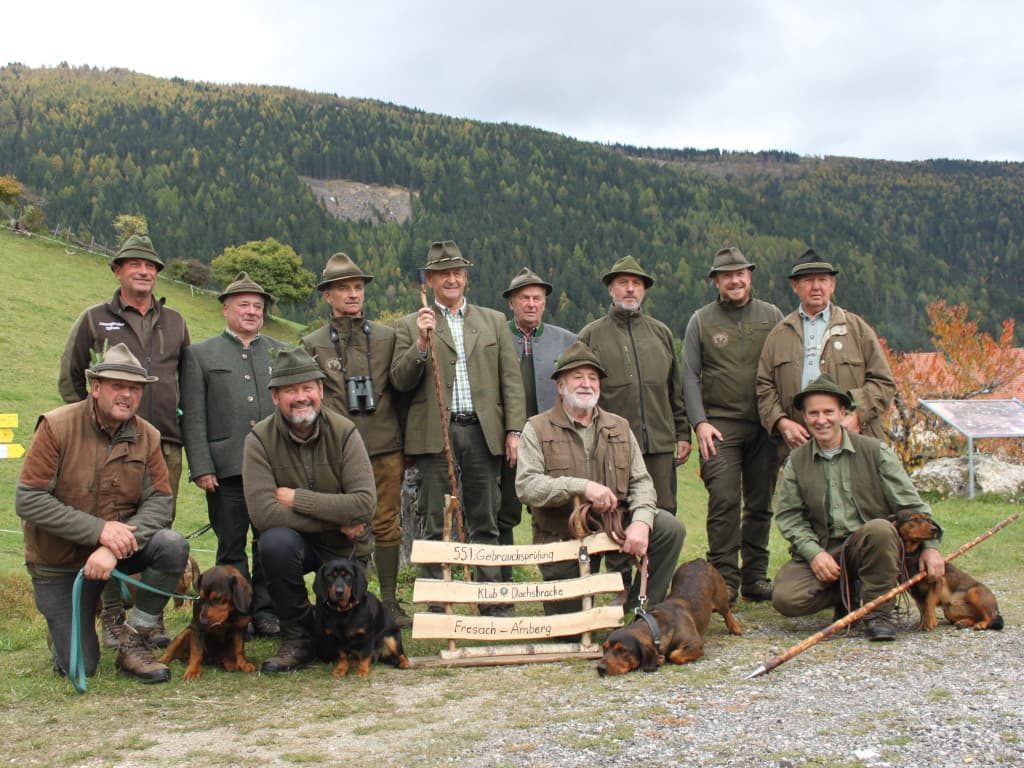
{"x":8,"y":420}
{"x":6,"y":435}
{"x":14,"y":451}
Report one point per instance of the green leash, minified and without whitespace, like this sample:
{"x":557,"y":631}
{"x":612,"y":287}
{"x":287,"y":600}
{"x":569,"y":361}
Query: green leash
{"x":76,"y":664}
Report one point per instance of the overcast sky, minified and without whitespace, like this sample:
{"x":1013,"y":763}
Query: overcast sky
{"x":895,"y":80}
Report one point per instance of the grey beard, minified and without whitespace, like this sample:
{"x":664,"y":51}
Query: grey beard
{"x":302,"y":421}
{"x":578,"y":403}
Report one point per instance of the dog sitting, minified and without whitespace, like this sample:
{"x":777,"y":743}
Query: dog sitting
{"x":697,"y":590}
{"x":352,"y":623}
{"x":965,"y":601}
{"x":219,"y":619}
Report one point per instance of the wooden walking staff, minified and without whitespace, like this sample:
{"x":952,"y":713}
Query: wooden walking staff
{"x":452,"y":506}
{"x":847,"y":620}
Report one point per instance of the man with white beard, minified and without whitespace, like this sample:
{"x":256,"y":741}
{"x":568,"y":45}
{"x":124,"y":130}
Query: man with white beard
{"x":310,"y":492}
{"x":576,"y":448}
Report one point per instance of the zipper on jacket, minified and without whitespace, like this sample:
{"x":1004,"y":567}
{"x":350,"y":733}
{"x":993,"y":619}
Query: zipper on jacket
{"x":640,"y":384}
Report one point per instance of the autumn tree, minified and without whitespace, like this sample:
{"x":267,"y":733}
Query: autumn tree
{"x":128,"y":224}
{"x":10,"y":190}
{"x":275,"y":266}
{"x":967,"y":364}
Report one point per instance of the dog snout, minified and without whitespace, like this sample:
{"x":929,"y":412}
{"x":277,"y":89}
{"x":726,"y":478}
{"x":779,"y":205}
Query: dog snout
{"x":602,"y":668}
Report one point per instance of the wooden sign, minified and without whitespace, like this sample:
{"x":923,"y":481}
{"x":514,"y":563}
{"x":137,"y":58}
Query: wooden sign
{"x":439,"y":591}
{"x":491,"y":554}
{"x":8,"y":420}
{"x":440,"y":626}
{"x":12,"y":451}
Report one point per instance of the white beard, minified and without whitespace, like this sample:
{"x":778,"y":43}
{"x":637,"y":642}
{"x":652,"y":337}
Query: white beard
{"x":579,"y":402}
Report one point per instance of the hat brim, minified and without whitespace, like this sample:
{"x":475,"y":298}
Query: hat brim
{"x":269,"y":298}
{"x":732,"y":268}
{"x":844,"y":398}
{"x":299,"y":377}
{"x":324,"y":284}
{"x":609,"y":276}
{"x":580,"y":364}
{"x":120,"y":376}
{"x":137,"y":255}
{"x":797,"y":273}
{"x":507,"y":293}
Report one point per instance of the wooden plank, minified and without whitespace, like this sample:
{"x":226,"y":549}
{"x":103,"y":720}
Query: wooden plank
{"x":439,"y":626}
{"x":433,"y":662}
{"x":8,"y":420}
{"x":528,"y":649}
{"x":438,"y":591}
{"x":496,"y":554}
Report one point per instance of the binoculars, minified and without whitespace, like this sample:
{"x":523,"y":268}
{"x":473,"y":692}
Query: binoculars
{"x":359,"y":393}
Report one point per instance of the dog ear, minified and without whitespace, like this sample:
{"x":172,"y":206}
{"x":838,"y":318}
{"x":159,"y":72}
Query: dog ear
{"x":359,"y":582}
{"x":241,"y":593}
{"x":649,"y":661}
{"x":318,"y":583}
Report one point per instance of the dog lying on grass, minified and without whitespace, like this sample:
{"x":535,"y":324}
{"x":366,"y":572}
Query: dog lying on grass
{"x":697,"y":591}
{"x":965,"y":601}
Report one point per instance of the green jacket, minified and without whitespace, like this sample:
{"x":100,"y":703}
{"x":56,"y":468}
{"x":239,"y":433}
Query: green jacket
{"x":224,"y":394}
{"x":330,"y":471}
{"x":720,"y":353}
{"x":361,"y":354}
{"x":495,"y":381}
{"x":644,"y":383}
{"x":875,"y":486}
{"x":851,"y":355}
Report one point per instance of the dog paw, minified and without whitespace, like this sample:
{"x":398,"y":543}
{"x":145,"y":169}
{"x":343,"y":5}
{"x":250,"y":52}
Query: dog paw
{"x":191,"y":675}
{"x":246,"y":667}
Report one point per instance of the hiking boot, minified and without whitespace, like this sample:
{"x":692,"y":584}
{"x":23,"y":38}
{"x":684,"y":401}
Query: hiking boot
{"x":135,"y":656}
{"x":158,"y":636}
{"x":758,"y":591}
{"x":880,"y":628}
{"x":111,"y":622}
{"x":401,"y":618}
{"x":265,"y":625}
{"x":295,"y":652}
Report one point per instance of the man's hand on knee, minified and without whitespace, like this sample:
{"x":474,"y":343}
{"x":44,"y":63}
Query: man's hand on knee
{"x":637,"y":537}
{"x":119,"y":538}
{"x":100,"y":565}
{"x":825,"y":568}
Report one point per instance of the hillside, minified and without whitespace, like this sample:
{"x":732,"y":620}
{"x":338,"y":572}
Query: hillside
{"x":212,"y":166}
{"x":44,"y":289}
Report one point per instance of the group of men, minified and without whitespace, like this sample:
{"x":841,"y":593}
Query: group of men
{"x":306,"y":447}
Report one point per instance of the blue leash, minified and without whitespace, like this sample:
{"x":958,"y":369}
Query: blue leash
{"x":76,"y":664}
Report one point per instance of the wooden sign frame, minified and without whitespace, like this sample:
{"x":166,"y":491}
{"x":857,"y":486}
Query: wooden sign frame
{"x":526,"y":634}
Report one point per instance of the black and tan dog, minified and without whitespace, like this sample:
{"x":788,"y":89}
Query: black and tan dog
{"x":697,"y":590}
{"x":219,"y":619}
{"x":353,"y":625}
{"x":965,"y":601}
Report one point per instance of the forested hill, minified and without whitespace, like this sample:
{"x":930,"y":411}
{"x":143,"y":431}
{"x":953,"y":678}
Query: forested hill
{"x":212,"y":166}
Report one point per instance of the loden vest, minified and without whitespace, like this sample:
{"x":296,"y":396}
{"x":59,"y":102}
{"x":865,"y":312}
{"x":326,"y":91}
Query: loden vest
{"x":564,"y":457}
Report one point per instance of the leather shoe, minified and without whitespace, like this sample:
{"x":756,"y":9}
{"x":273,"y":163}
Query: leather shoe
{"x":266,"y":625}
{"x":758,"y":591}
{"x":880,"y":629}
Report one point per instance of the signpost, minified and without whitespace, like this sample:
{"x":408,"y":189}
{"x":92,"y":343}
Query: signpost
{"x":978,"y":419}
{"x":8,"y":448}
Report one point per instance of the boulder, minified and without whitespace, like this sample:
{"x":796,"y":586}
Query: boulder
{"x":991,"y":475}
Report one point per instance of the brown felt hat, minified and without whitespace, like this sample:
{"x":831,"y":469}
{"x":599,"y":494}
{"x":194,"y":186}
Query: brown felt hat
{"x":138,"y":247}
{"x":526,"y":277}
{"x":245,"y":284}
{"x":729,"y":260}
{"x":627,"y":265}
{"x":576,"y":355}
{"x":445,"y":254}
{"x":341,"y":267}
{"x":119,"y":363}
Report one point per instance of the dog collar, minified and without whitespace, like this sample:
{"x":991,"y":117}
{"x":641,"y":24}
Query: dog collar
{"x":653,"y":624}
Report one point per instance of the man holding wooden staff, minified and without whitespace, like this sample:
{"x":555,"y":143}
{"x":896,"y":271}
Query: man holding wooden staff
{"x":576,"y":448}
{"x":838,"y":490}
{"x":482,"y":397}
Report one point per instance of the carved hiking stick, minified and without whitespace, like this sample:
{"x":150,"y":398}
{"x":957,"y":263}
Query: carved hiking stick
{"x":865,"y":609}
{"x":452,"y":507}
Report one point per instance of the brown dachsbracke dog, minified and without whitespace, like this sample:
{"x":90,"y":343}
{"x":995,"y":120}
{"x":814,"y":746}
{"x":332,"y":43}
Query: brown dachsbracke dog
{"x":220,"y":617}
{"x":697,"y":590}
{"x":965,"y":601}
